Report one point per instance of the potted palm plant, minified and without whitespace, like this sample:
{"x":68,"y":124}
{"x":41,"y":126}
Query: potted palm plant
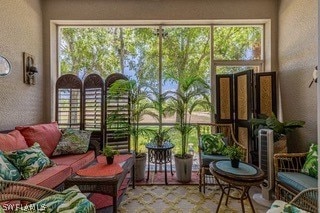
{"x":192,"y":92}
{"x":160,"y":136}
{"x":140,"y":105}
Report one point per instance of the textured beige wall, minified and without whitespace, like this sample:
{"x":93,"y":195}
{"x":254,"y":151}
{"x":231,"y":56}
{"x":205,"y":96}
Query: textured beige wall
{"x":21,"y":31}
{"x":298,"y":42}
{"x":159,"y":10}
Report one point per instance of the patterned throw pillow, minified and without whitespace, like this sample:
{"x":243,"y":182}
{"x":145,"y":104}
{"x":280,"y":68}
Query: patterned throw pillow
{"x":213,"y":143}
{"x":70,"y":200}
{"x":281,"y":206}
{"x":310,"y":166}
{"x":7,"y":170}
{"x":73,"y":142}
{"x":29,"y":161}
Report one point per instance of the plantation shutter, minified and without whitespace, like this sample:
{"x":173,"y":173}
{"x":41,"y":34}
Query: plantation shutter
{"x":117,"y":116}
{"x":93,"y":101}
{"x":69,"y":102}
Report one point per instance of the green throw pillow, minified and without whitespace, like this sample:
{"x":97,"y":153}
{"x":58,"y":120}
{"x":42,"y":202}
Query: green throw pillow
{"x":73,"y":142}
{"x":29,"y":161}
{"x":310,"y":167}
{"x":283,"y":207}
{"x":70,"y":200}
{"x":7,"y":170}
{"x":213,"y":143}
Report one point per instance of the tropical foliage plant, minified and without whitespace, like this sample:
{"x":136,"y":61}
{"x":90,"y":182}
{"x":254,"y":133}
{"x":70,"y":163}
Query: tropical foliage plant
{"x":279,"y":128}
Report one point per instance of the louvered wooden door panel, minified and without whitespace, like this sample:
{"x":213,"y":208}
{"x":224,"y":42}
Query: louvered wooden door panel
{"x":69,"y":101}
{"x":117,"y":116}
{"x":93,"y":101}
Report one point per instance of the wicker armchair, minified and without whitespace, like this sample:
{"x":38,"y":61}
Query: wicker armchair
{"x":22,"y":197}
{"x":18,"y":191}
{"x":306,"y":200}
{"x":287,"y":162}
{"x":205,"y":160}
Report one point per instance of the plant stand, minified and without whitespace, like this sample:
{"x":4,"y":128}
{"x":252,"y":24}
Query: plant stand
{"x":160,"y":155}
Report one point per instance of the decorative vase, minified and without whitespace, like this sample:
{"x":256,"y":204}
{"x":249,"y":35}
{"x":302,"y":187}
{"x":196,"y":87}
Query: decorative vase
{"x":235,"y":163}
{"x":110,"y":160}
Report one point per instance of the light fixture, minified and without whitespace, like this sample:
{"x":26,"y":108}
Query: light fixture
{"x":29,"y":69}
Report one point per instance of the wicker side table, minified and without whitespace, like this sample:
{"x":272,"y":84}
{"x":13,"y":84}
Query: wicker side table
{"x":108,"y":185}
{"x":241,"y":179}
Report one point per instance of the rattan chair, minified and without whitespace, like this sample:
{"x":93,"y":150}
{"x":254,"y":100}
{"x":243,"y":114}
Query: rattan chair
{"x":287,"y":162}
{"x":204,"y":160}
{"x":18,"y":191}
{"x":306,"y":200}
{"x":16,"y":195}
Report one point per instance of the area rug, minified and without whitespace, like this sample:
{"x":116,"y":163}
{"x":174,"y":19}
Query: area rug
{"x":177,"y":199}
{"x":159,"y":179}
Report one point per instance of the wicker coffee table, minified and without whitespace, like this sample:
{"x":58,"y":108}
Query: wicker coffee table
{"x":108,"y":185}
{"x":241,"y":179}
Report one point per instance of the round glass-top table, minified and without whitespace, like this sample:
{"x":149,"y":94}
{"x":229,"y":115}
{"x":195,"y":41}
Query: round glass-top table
{"x":241,"y":178}
{"x":160,"y":155}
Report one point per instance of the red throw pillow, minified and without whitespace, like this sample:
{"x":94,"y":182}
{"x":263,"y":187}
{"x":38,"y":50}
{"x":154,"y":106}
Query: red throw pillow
{"x":12,"y":141}
{"x":47,"y":135}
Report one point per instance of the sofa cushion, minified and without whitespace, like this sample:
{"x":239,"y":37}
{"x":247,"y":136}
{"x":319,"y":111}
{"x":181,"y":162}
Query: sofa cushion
{"x":7,"y":170}
{"x":50,"y":177}
{"x":29,"y":161}
{"x":69,"y":200}
{"x":12,"y":141}
{"x":310,"y":167}
{"x":296,"y":180}
{"x":76,"y":162}
{"x":213,"y":143}
{"x":73,"y":142}
{"x":47,"y":135}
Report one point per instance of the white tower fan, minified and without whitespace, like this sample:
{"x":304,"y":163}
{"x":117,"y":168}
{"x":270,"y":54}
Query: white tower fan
{"x":266,"y":151}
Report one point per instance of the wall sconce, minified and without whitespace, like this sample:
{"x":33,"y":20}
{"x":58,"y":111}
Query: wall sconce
{"x":29,"y":69}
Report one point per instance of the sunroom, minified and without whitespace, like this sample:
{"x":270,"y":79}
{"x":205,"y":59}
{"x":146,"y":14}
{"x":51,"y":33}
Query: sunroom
{"x":240,"y":59}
